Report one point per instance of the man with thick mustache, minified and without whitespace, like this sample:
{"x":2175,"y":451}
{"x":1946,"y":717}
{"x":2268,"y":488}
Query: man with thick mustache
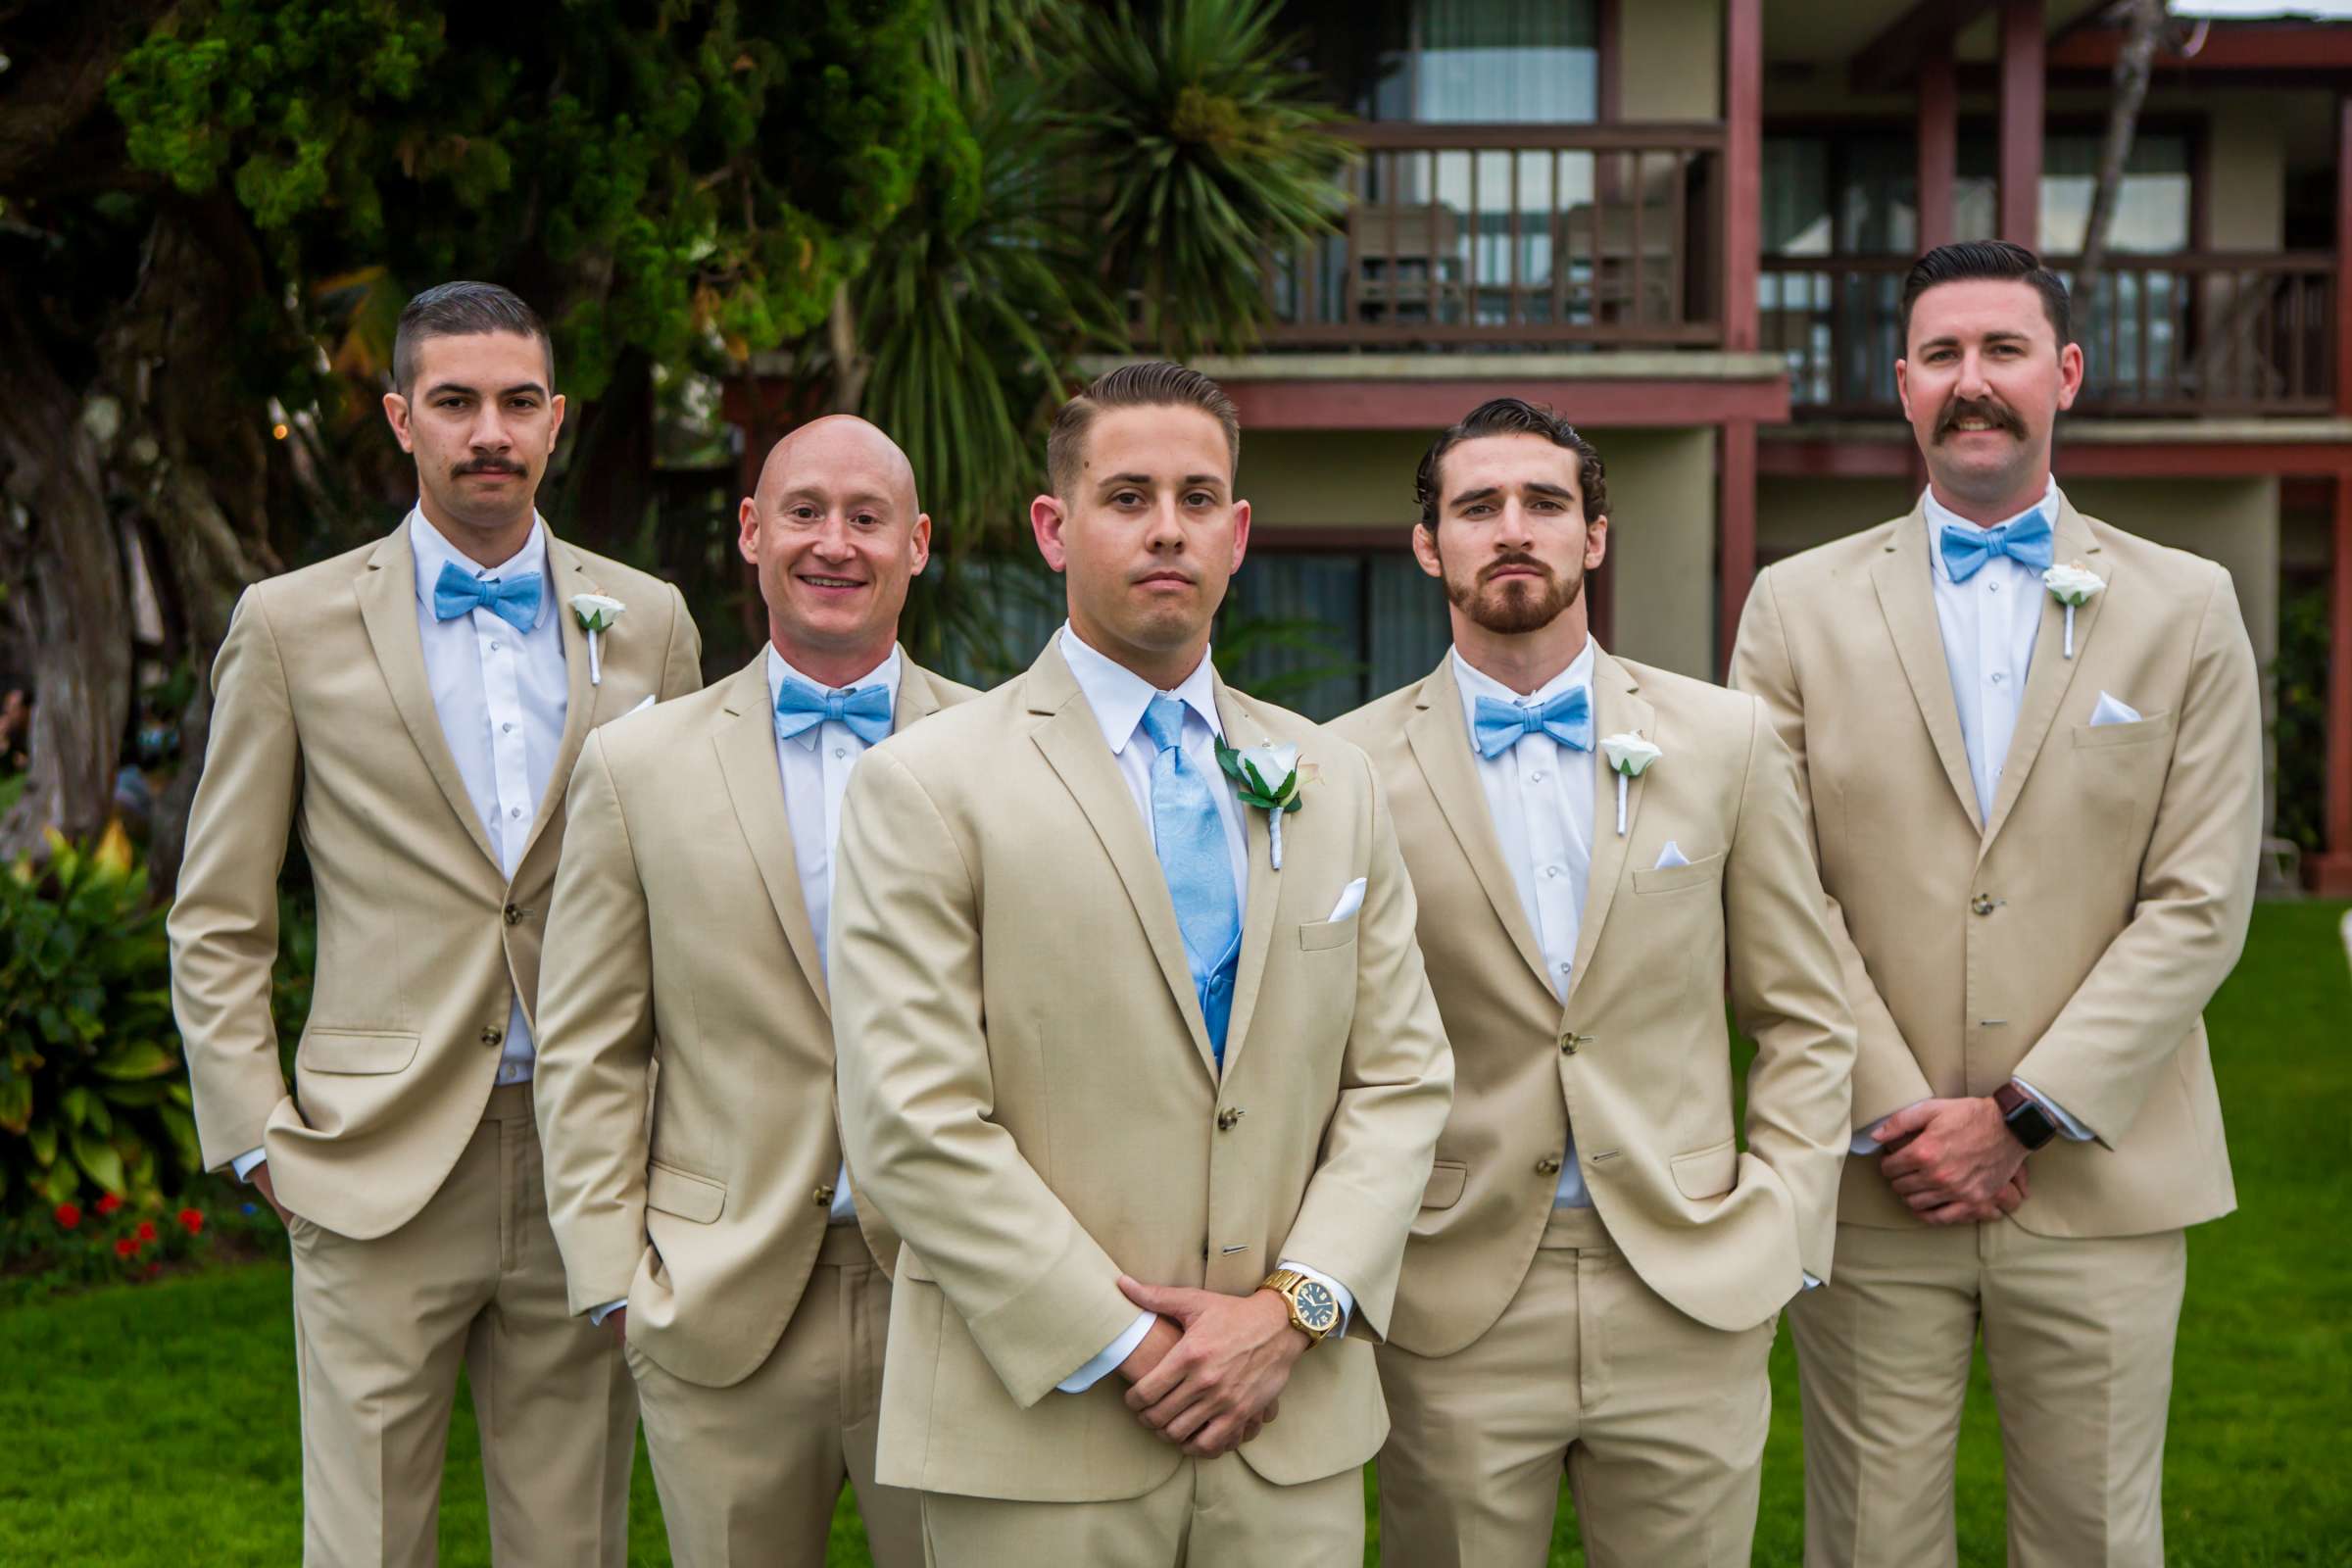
{"x":702,"y":1208}
{"x":2032,"y":745}
{"x":1596,"y":1272}
{"x":412,"y":709}
{"x":1147,"y":1083}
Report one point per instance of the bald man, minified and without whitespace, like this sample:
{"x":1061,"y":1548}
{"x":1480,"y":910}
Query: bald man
{"x":694,"y":1165}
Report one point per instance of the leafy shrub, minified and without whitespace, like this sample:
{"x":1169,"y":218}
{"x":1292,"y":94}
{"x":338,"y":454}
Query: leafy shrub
{"x":93,"y":1095}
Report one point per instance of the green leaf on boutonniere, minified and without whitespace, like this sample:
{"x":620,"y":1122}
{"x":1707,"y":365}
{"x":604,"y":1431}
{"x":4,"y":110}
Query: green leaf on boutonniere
{"x":1244,"y":770}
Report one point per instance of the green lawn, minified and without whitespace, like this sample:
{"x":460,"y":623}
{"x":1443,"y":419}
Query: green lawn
{"x":156,"y":1425}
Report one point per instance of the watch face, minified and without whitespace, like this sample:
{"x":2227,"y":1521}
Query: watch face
{"x":1317,"y":1307}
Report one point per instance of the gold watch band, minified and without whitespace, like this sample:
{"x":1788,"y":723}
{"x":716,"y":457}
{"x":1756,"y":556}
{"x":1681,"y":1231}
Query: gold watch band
{"x":1284,"y":1283}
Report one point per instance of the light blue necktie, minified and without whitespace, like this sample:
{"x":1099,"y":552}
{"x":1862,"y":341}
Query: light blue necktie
{"x":514,"y":599}
{"x":1192,"y":854}
{"x":800,"y":706}
{"x":2025,"y":540}
{"x":1566,"y":718}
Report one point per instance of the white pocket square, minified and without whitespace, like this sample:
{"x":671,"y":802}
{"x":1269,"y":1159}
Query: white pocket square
{"x":1671,"y":855}
{"x":641,"y":707}
{"x":2112,"y":712}
{"x":1351,"y":899}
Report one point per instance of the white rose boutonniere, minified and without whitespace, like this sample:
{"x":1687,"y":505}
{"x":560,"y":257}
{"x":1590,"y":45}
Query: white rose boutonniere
{"x":2072,"y":585}
{"x":1629,"y":757}
{"x":1271,"y":779}
{"x":597,"y":614}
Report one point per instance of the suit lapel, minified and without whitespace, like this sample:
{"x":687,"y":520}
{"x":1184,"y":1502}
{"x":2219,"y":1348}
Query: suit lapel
{"x":1072,"y":742}
{"x":1902,"y":576}
{"x":747,"y":759}
{"x":1617,"y":707}
{"x":1243,"y":727}
{"x":567,"y":575}
{"x":918,"y":698}
{"x":1441,"y":743}
{"x":2051,"y":672}
{"x":387,"y":595}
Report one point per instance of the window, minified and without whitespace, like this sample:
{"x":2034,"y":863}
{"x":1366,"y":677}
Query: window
{"x":1326,"y":631}
{"x":1454,"y":62}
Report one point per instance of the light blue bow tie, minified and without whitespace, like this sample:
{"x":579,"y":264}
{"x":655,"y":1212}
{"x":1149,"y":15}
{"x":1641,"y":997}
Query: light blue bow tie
{"x":1189,"y":837}
{"x":2026,"y":540}
{"x":800,"y":706}
{"x":1566,"y":718}
{"x":514,"y":599}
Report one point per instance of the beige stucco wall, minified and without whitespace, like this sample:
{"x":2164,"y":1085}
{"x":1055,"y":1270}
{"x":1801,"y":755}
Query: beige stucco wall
{"x":1670,"y":60}
{"x":1661,"y":507}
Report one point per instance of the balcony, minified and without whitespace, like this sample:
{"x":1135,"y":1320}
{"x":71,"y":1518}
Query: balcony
{"x":1521,"y":237}
{"x":2177,"y":335}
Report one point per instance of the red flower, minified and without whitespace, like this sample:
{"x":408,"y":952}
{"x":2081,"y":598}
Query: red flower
{"x":153,"y":1269}
{"x":146,"y":1230}
{"x":107,"y":1203}
{"x":127,"y":1247}
{"x":68,"y":1215}
{"x":191,"y":1220}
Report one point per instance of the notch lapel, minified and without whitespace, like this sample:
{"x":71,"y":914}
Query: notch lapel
{"x":387,"y":596}
{"x":1617,"y":706}
{"x":1072,"y":742}
{"x":1243,"y":727}
{"x":2052,"y":673}
{"x":746,"y":741}
{"x":1441,"y":743}
{"x":567,"y":575}
{"x":1907,"y":597}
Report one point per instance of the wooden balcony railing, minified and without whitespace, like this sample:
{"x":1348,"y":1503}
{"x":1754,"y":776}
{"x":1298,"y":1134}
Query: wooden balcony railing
{"x":1514,"y":236}
{"x":2202,"y":333}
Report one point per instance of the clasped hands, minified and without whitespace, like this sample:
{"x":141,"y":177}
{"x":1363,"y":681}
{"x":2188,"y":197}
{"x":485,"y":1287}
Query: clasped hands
{"x":1953,"y":1162}
{"x":1209,"y":1374}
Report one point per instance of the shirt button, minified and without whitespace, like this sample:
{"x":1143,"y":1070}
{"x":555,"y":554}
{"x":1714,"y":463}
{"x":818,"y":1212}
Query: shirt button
{"x":1991,"y":587}
{"x":1998,"y":677}
{"x":1535,"y":777}
{"x":1551,"y":871}
{"x":494,"y":648}
{"x":506,"y":728}
{"x":515,"y":810}
{"x":841,"y":750}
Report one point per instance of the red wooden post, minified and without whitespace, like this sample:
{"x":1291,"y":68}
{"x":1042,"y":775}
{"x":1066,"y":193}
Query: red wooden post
{"x":2021,"y":71}
{"x":2330,"y":872}
{"x":1743,"y":168}
{"x":1938,"y":145}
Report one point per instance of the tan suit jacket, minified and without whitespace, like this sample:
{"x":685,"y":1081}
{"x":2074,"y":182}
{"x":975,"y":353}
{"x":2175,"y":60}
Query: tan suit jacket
{"x":1029,"y":1091}
{"x":324,"y":722}
{"x":680,"y":936}
{"x":2072,"y":939}
{"x":1636,"y":1062}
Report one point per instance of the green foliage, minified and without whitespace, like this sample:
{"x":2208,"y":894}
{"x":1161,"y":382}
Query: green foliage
{"x":2301,"y":728}
{"x":1207,"y":150}
{"x":93,"y":1099}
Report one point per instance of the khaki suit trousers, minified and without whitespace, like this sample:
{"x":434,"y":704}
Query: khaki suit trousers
{"x":1211,"y":1513}
{"x":380,"y":1329}
{"x":1659,"y":1420}
{"x":2079,"y":1340}
{"x":749,"y":1474}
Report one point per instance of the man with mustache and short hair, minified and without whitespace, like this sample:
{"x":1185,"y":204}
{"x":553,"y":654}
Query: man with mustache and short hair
{"x":1596,"y":1272}
{"x":412,"y":709}
{"x":2032,"y":748}
{"x":703,"y":1207}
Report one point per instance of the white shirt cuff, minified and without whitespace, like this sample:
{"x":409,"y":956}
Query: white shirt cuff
{"x":2074,"y":1130}
{"x":1811,"y":1283}
{"x":1865,"y":1142}
{"x":1347,"y":1298}
{"x":243,"y":1164}
{"x":1117,"y":1350}
{"x":598,"y":1315}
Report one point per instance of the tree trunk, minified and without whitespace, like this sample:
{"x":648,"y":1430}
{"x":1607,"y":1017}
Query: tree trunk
{"x":61,"y":558}
{"x":2130,"y":89}
{"x":609,"y":485}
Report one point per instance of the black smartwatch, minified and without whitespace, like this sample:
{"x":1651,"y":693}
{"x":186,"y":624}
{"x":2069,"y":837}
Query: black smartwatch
{"x":2022,"y":1113}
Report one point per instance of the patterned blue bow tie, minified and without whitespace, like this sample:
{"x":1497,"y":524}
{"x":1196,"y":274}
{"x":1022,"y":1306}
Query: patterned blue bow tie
{"x":514,"y":599}
{"x":1566,"y":718}
{"x":2025,"y":540}
{"x":800,"y":706}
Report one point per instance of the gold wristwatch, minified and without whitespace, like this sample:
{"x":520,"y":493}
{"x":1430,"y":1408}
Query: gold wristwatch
{"x":1314,"y":1311}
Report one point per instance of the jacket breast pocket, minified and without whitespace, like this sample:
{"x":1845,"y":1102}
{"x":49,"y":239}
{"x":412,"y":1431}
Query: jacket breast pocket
{"x":1705,"y":1173}
{"x":1321,"y":936}
{"x":353,"y":1052}
{"x":2138,"y":732}
{"x":1446,"y":1179}
{"x":689,"y":1197}
{"x":1704,"y":871}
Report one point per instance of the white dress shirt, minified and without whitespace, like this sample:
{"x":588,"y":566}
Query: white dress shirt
{"x":816,"y":766}
{"x":1540,"y":799}
{"x":1988,"y":625}
{"x":1117,"y":698}
{"x":502,"y":697}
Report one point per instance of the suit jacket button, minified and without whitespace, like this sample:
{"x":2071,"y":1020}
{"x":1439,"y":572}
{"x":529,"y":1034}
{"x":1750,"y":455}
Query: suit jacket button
{"x":1983,"y":904}
{"x":824,"y":1197}
{"x":1549,"y":1165}
{"x":1227,"y":1117}
{"x":513,"y":916}
{"x":493,"y":1034}
{"x":1568,"y":1044}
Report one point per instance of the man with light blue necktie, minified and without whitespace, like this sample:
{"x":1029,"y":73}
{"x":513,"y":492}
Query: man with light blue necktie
{"x":1592,"y":1285}
{"x":1147,"y":1081}
{"x":694,"y":1161}
{"x":412,"y":710}
{"x":2032,"y":746}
